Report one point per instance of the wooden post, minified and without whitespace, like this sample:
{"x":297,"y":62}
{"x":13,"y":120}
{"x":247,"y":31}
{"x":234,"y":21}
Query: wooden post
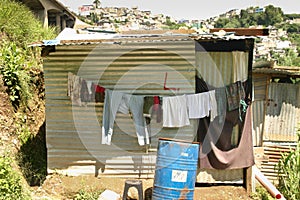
{"x":247,"y":182}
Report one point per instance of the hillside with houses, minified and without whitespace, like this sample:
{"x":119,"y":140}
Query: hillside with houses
{"x":283,"y":38}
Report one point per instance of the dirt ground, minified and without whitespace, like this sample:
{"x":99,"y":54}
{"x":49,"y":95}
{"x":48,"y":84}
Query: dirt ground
{"x":62,"y":187}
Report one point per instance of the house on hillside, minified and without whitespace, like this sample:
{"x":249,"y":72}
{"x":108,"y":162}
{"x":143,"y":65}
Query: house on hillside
{"x":82,"y":78}
{"x":51,"y":13}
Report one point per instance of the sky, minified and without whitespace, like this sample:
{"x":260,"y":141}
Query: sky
{"x":189,"y":9}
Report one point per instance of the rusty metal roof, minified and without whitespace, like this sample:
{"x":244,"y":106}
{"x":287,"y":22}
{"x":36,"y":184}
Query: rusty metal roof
{"x":278,"y":70}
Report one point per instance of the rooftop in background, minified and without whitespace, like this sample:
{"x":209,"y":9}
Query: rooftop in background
{"x":274,"y":70}
{"x":243,"y":31}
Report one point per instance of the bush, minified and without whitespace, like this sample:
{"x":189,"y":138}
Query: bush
{"x":289,"y":173}
{"x":10,"y":182}
{"x":19,"y":24}
{"x":19,"y":28}
{"x":87,"y":195}
{"x":14,"y":74}
{"x":261,"y":194}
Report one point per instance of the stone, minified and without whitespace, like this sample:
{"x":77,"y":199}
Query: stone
{"x":109,"y":195}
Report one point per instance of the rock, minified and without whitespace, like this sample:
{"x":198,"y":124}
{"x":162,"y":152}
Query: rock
{"x":109,"y":195}
{"x":133,"y":193}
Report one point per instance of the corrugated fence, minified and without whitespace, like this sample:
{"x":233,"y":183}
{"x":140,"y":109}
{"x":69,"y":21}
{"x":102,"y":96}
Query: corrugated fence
{"x":282,"y":112}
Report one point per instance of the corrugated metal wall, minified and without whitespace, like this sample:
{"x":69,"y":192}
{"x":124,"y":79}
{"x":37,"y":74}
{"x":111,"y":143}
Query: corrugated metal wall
{"x":258,"y":111}
{"x":140,"y":68}
{"x":282,"y":112}
{"x":260,"y":84}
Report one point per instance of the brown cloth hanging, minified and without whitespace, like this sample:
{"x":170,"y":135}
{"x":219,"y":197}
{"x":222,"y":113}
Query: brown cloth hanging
{"x":216,"y":151}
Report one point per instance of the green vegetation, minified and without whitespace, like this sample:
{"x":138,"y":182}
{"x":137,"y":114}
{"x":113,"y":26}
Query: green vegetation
{"x":19,"y":65}
{"x":19,"y":28}
{"x":290,"y":58}
{"x":173,"y":25}
{"x":84,"y":194}
{"x":290,"y":28}
{"x":18,"y":24}
{"x":269,"y":16}
{"x":15,"y":73}
{"x":261,"y":194}
{"x":253,"y":17}
{"x":97,"y":3}
{"x":292,"y":16}
{"x":289,"y":173}
{"x":10,"y":181}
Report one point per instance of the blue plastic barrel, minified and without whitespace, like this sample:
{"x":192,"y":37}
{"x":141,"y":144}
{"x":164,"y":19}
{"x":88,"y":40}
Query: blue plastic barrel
{"x":175,"y":171}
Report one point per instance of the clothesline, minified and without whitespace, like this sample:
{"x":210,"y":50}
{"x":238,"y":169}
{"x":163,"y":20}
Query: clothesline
{"x":173,"y":111}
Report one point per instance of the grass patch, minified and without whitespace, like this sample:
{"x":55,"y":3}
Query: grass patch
{"x":10,"y":181}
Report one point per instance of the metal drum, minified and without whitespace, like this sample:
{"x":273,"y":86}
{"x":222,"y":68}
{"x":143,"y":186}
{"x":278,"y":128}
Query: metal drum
{"x":176,"y":168}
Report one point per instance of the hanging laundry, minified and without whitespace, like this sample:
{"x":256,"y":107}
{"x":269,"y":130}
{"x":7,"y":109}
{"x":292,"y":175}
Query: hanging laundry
{"x":220,"y":94}
{"x":175,"y":113}
{"x":89,"y":87}
{"x":135,"y":104}
{"x":99,"y":92}
{"x":74,"y":88}
{"x":216,"y":151}
{"x":213,"y":105}
{"x":84,"y":92}
{"x":234,"y":93}
{"x":198,"y":105}
{"x":119,"y":102}
{"x":110,"y":108}
{"x":157,"y":109}
{"x":153,"y":107}
{"x":148,"y":104}
{"x":217,"y":98}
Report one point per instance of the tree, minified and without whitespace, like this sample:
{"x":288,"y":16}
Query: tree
{"x":221,"y":22}
{"x":273,"y":15}
{"x":250,"y":17}
{"x":97,"y":3}
{"x":290,"y":58}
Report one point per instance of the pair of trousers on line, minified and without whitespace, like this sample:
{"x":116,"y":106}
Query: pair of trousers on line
{"x":119,"y":102}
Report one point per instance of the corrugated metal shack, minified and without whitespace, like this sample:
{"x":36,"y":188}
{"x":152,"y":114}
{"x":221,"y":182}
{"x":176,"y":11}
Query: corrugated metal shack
{"x":276,"y":113}
{"x":141,"y":65}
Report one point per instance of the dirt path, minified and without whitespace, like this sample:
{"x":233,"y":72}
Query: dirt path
{"x":65,"y":187}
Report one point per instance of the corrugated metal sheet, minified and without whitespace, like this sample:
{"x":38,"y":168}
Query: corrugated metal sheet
{"x":258,"y":113}
{"x":260,"y":83}
{"x":143,"y":68}
{"x":282,"y":112}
